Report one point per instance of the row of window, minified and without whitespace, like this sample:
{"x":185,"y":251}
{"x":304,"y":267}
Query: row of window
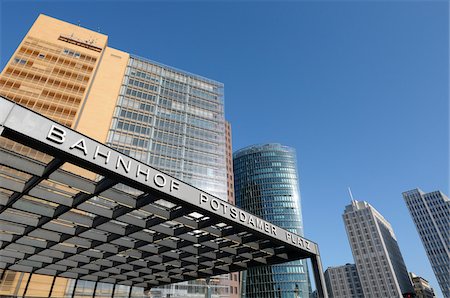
{"x":133,"y":128}
{"x":138,"y":105}
{"x":71,"y":53}
{"x":135,"y":116}
{"x":142,"y":85}
{"x":140,"y":94}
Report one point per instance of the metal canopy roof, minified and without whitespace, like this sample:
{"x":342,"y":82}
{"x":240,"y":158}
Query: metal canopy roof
{"x":132,"y":225}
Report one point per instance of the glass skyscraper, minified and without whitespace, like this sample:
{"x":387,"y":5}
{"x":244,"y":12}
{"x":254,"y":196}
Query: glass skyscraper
{"x":431,"y":215}
{"x":174,"y":121}
{"x":266,"y":184}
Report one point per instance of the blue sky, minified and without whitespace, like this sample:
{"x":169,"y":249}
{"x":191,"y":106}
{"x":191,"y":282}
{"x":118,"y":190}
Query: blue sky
{"x":360,"y":89}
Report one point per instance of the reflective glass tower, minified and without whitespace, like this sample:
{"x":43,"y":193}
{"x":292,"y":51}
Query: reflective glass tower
{"x":266,"y":184}
{"x":431,"y":214}
{"x":174,"y":120}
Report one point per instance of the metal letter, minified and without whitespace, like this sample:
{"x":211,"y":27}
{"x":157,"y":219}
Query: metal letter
{"x":140,"y":171}
{"x":155,"y":179}
{"x":203,"y":198}
{"x":121,"y":161}
{"x":216,"y":207}
{"x":233,"y":213}
{"x":81,"y":145}
{"x":174,"y":185}
{"x":105,"y":155}
{"x":242,"y":216}
{"x":224,"y":207}
{"x":56,"y":134}
{"x":251,"y":221}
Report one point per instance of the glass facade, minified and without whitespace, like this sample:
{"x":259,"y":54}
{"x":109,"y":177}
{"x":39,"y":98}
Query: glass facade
{"x":266,"y":184}
{"x":174,"y":121}
{"x":170,"y":119}
{"x":431,"y":215}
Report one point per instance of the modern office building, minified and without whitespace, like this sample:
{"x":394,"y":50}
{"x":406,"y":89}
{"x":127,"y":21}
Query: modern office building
{"x":266,"y":184}
{"x":343,"y":282}
{"x":233,"y":279}
{"x":378,"y":259}
{"x":431,"y":215}
{"x":422,"y":287}
{"x":165,"y":117}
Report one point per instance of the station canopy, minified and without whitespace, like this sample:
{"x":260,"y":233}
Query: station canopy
{"x":73,"y":207}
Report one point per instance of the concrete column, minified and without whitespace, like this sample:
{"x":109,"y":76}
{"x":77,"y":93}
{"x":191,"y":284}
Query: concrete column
{"x":318,"y":276}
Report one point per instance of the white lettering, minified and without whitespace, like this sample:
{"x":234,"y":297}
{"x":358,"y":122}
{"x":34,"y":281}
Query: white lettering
{"x":56,"y":134}
{"x":251,"y":221}
{"x":233,"y":212}
{"x":214,"y":204}
{"x":307,"y":245}
{"x":288,"y":236}
{"x":80,"y":145}
{"x":121,"y":161}
{"x":203,"y":198}
{"x":174,"y":185}
{"x":259,"y":223}
{"x":102,"y":154}
{"x":274,"y":230}
{"x":139,"y":171}
{"x":224,"y":207}
{"x":161,"y":182}
{"x":242,"y":216}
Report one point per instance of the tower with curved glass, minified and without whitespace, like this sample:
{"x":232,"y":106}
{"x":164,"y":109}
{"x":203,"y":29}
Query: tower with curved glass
{"x":266,"y":184}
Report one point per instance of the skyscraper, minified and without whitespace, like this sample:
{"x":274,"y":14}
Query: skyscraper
{"x":168,"y":118}
{"x":343,"y":282}
{"x":431,"y":215}
{"x":377,"y":255}
{"x":233,"y":280}
{"x":266,"y":184}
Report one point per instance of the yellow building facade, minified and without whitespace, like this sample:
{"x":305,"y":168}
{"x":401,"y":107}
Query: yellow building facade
{"x":57,"y":67}
{"x":55,"y":70}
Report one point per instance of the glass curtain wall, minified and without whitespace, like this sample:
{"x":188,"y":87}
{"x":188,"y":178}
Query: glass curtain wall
{"x":174,"y":121}
{"x":266,"y":184}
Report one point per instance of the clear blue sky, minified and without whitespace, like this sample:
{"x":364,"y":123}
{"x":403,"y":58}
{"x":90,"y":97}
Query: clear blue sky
{"x":360,"y":89}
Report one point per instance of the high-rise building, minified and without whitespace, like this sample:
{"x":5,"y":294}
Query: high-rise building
{"x":233,"y":279}
{"x":266,"y":184}
{"x":343,"y":282}
{"x":431,"y":215}
{"x":422,"y":287}
{"x":378,"y":259}
{"x":168,"y":118}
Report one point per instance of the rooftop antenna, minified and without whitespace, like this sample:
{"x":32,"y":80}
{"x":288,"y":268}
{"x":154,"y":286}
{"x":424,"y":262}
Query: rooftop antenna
{"x":351,"y":195}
